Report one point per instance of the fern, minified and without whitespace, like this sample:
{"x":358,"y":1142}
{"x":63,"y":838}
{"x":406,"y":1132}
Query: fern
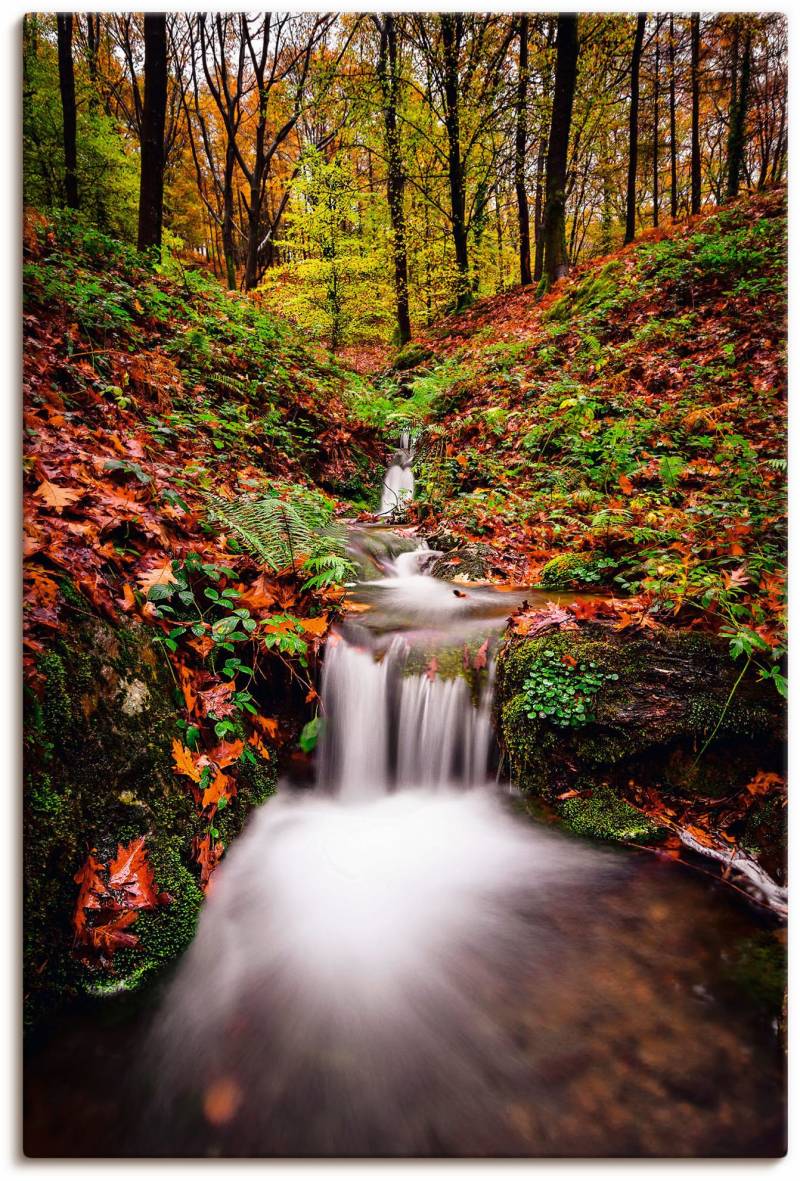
{"x":277,"y":532}
{"x":289,"y":533}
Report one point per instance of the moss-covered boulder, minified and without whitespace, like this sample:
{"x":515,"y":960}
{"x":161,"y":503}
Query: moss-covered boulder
{"x":578,"y":571}
{"x":596,"y":705}
{"x":470,"y":562}
{"x":411,"y":355}
{"x":599,"y":813}
{"x":98,"y":774}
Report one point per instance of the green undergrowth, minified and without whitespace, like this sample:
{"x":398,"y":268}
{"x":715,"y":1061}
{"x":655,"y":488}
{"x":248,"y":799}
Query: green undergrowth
{"x":629,"y":430}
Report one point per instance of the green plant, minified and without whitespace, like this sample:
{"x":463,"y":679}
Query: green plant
{"x":280,"y":533}
{"x":561,"y":690}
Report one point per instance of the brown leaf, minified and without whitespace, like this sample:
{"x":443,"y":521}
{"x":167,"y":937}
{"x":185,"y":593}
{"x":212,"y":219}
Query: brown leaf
{"x":57,"y":498}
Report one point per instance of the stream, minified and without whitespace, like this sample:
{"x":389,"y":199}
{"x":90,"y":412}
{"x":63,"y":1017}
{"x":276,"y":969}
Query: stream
{"x":409,"y":960}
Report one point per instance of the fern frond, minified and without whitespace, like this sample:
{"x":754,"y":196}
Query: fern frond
{"x":275,"y":531}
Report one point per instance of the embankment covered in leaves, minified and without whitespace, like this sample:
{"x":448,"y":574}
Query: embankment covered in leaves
{"x":624,"y":437}
{"x":185,"y":454}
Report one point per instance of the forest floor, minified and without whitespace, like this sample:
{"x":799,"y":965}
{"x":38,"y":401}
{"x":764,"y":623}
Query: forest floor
{"x":625,"y":434}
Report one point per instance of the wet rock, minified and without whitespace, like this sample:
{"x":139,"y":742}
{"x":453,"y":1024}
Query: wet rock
{"x":653,"y":700}
{"x":578,"y":571}
{"x":98,"y":773}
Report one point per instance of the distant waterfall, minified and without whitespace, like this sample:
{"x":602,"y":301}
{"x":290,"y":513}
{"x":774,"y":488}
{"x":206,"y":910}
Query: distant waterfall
{"x":398,"y":481}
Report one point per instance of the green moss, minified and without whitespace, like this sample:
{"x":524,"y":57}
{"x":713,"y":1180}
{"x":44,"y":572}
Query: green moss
{"x":758,"y":967}
{"x":660,"y":695}
{"x":98,"y":773}
{"x":604,"y":816}
{"x":578,"y":570}
{"x":411,"y":355}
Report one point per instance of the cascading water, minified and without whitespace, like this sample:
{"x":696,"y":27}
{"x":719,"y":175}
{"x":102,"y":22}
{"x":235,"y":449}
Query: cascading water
{"x":398,"y":482}
{"x":398,"y":963}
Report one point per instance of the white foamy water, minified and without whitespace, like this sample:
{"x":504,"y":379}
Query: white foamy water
{"x":350,"y":932}
{"x":398,"y":964}
{"x":398,"y":486}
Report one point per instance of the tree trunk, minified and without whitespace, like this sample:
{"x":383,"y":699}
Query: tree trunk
{"x":740,"y":88}
{"x":151,"y":187}
{"x":395,"y":176}
{"x":696,"y":173}
{"x":66,"y":79}
{"x":555,"y":260}
{"x":525,"y":276}
{"x":633,"y":131}
{"x":538,"y":211}
{"x":228,"y":248}
{"x":673,"y":147}
{"x":656,"y":97}
{"x":451,"y":40}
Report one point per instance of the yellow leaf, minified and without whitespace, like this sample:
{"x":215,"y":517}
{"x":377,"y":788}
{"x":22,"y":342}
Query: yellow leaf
{"x":157,"y":576}
{"x":57,"y":498}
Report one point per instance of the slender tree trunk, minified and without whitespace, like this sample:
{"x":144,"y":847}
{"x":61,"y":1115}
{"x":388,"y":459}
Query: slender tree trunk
{"x":66,"y":79}
{"x":395,"y":176}
{"x":555,"y":260}
{"x":696,"y":172}
{"x":520,"y":146}
{"x":673,"y":146}
{"x":151,"y":187}
{"x":538,"y":211}
{"x":228,"y":246}
{"x":656,"y":114}
{"x":633,"y":131}
{"x":740,"y":93}
{"x":451,"y":39}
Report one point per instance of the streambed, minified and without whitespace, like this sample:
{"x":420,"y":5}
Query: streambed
{"x":403,"y":962}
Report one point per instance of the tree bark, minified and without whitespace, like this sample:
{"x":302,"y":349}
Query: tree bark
{"x":740,"y":93}
{"x":656,"y":114}
{"x":66,"y":79}
{"x":151,"y":186}
{"x":555,"y":260}
{"x":633,"y":131}
{"x":520,"y":147}
{"x":395,"y":176}
{"x":451,"y":26}
{"x":696,"y":172}
{"x":673,"y":147}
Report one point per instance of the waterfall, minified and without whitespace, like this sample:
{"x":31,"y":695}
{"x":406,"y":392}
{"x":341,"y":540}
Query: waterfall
{"x":398,"y":481}
{"x":347,"y":989}
{"x":387,"y":726}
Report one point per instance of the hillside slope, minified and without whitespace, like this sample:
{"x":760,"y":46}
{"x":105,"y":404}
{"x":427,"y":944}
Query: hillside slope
{"x":628,"y":430}
{"x":171,"y":630}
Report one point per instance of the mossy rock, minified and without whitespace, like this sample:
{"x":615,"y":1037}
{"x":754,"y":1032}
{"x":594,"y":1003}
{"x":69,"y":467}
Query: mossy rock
{"x":766,"y":835}
{"x":469,"y":562}
{"x":578,"y":571}
{"x":411,"y":355}
{"x":604,"y":816}
{"x":662,"y":695}
{"x":757,"y":966}
{"x":98,"y":773}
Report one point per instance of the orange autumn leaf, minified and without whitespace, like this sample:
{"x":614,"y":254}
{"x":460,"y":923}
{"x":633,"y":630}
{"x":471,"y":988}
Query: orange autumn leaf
{"x":128,"y":601}
{"x":131,"y":872}
{"x":226,"y":753}
{"x":189,"y":695}
{"x":57,"y":498}
{"x":215,"y":790}
{"x":625,"y":484}
{"x":315,"y":627}
{"x":255,"y":741}
{"x":158,"y":575}
{"x":268,"y":726}
{"x":183,"y":761}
